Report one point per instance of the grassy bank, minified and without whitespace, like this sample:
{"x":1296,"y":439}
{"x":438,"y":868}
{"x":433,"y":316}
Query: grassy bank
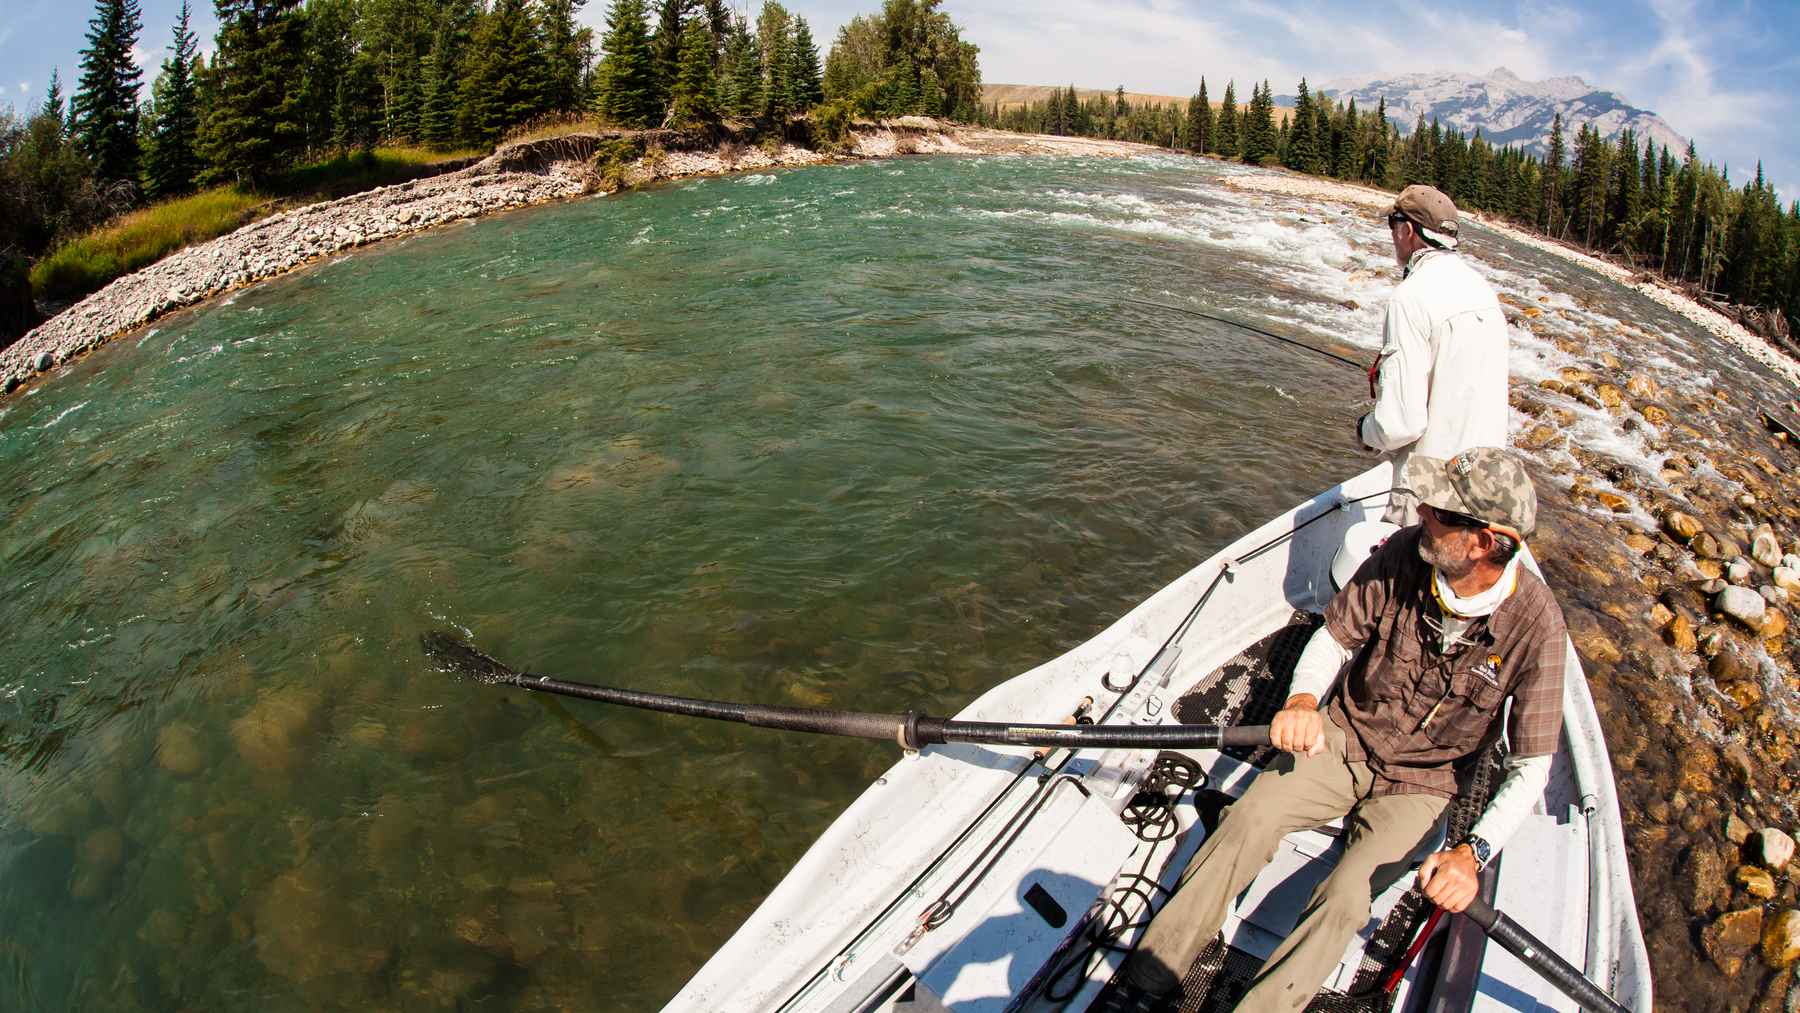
{"x":144,"y":236}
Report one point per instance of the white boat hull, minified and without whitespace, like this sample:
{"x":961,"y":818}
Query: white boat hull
{"x":978,"y":841}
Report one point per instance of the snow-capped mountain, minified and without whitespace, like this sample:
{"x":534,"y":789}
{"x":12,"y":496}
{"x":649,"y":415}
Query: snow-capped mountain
{"x":1509,"y":110}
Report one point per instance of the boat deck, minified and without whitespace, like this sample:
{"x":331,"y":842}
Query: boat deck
{"x":1249,"y":689}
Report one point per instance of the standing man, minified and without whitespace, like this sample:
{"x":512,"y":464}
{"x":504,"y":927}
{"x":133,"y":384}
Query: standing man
{"x":1440,"y":383}
{"x":1458,"y":626}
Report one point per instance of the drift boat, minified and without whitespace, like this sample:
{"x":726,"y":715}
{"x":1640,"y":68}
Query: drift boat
{"x":993,"y":877}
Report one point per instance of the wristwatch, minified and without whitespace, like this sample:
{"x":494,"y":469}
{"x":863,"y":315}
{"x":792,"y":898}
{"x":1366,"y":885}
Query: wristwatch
{"x":1482,"y":849}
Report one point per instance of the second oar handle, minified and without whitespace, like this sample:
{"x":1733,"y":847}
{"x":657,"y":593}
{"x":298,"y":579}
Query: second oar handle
{"x":1541,"y":958}
{"x":998,"y":733}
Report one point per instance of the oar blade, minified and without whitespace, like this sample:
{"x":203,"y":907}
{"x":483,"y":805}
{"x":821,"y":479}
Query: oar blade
{"x":452,"y":653}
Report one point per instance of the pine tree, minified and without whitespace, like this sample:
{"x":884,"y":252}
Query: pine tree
{"x":1550,"y":212}
{"x":104,"y":115}
{"x":53,"y":106}
{"x":1303,"y":145}
{"x":809,"y":90}
{"x":1622,"y":217}
{"x":667,"y":42}
{"x":775,"y":39}
{"x":1200,"y":122}
{"x":565,"y":47}
{"x":330,"y":49}
{"x":629,"y":95}
{"x":437,"y":86}
{"x":1260,"y":140}
{"x":509,"y":74}
{"x":1228,"y":125}
{"x":745,"y":82}
{"x":694,"y":93}
{"x":356,"y":105}
{"x":251,"y":123}
{"x":170,"y":160}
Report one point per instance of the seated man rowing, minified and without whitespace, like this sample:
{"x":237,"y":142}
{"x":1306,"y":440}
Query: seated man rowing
{"x":1445,"y":625}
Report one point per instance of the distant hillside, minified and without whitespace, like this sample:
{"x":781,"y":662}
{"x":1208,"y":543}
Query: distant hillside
{"x":1509,"y":110}
{"x":1009,"y":95}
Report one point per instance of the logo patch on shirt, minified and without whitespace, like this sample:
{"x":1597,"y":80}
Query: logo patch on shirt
{"x":1489,"y":669}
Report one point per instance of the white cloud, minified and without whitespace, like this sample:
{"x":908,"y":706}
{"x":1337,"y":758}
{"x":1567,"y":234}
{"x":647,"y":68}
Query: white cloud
{"x":144,"y":58}
{"x":24,"y":86}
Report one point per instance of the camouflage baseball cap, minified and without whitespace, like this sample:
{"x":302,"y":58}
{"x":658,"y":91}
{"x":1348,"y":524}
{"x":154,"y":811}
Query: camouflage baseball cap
{"x":1487,"y":483}
{"x":1428,"y":208}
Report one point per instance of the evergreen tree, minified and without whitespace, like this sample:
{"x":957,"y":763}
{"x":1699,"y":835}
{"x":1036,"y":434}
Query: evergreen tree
{"x":1550,"y":211}
{"x":629,"y":95}
{"x":512,"y":71}
{"x":104,"y":115}
{"x":437,"y":86}
{"x":1622,"y":217}
{"x":1228,"y":125}
{"x":745,"y":82}
{"x":809,"y":90}
{"x":1260,"y":140}
{"x":53,"y":106}
{"x":1302,"y":145}
{"x":566,"y":45}
{"x":667,"y":42}
{"x":774,"y":38}
{"x":171,"y":162}
{"x":694,"y":93}
{"x":330,"y":49}
{"x":251,"y":123}
{"x":356,"y":105}
{"x":1200,"y":122}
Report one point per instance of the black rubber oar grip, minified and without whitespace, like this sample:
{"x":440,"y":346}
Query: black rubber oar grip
{"x":1540,"y":958}
{"x":997,"y":733}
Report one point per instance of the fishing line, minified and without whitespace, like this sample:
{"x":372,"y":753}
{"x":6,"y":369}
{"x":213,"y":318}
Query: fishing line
{"x":1240,"y":325}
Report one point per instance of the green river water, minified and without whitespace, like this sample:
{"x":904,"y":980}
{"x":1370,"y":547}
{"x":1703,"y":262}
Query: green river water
{"x":872,"y":436}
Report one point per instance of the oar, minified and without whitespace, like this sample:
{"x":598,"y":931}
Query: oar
{"x":911,"y":729}
{"x":1540,"y":958}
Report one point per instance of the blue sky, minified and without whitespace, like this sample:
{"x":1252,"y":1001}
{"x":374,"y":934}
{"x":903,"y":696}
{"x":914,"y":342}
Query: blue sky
{"x":1726,"y":74}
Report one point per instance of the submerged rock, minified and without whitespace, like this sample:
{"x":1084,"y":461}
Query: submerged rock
{"x":272,"y":736}
{"x":178,"y":750}
{"x":1730,"y":938}
{"x":1781,"y":939}
{"x":1755,"y":881}
{"x":305,"y":929}
{"x":99,"y":854}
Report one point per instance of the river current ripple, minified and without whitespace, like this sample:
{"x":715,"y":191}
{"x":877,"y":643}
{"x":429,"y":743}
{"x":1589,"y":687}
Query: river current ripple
{"x":871,"y":436}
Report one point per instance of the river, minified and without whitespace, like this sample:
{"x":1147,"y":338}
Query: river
{"x":872,"y":436}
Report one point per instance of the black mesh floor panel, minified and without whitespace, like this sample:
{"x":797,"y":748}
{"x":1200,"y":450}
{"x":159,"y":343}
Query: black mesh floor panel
{"x":1250,"y":689}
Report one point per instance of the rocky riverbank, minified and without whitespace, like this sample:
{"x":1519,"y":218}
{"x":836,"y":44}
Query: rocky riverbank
{"x":515,"y":176}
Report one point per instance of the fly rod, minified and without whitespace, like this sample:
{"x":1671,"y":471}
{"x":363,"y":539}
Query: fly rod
{"x":911,"y":730}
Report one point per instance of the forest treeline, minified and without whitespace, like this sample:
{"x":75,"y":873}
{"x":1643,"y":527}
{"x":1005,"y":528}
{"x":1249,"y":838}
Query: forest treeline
{"x":1659,"y":210}
{"x":292,"y":82}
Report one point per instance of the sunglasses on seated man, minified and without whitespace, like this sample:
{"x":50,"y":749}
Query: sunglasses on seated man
{"x":1451,"y":518}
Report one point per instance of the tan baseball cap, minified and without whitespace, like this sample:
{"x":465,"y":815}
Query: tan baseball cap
{"x":1486,"y":483}
{"x":1428,"y":208}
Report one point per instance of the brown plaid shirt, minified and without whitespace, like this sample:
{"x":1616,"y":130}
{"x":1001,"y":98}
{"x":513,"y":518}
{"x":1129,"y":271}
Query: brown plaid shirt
{"x":1416,"y":712}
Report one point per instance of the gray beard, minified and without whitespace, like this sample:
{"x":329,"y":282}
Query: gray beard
{"x":1453,"y":568}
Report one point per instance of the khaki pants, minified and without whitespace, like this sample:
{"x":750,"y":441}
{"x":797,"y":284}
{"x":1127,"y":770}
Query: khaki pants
{"x":1295,"y":793}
